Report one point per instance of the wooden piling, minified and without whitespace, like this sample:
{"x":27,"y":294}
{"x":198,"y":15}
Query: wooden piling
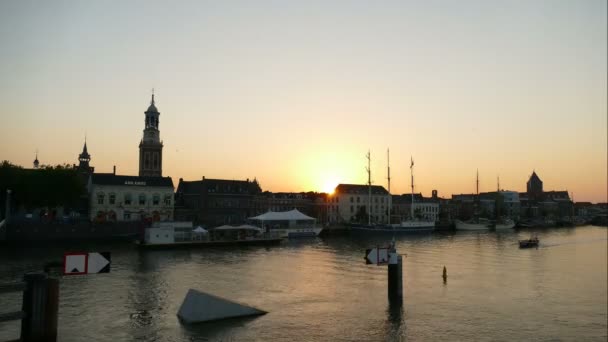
{"x":40,"y":307}
{"x":52,"y":309}
{"x":395,"y":278}
{"x":34,"y":306}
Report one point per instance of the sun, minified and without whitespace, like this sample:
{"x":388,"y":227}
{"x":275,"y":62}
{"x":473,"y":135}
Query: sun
{"x":329,"y":185}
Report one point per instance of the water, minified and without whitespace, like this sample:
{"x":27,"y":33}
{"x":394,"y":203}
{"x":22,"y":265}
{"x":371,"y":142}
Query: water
{"x":321,"y":290}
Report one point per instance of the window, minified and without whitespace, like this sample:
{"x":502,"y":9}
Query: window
{"x":155,"y":199}
{"x":352,"y":209}
{"x":167,"y":200}
{"x":128,"y":199}
{"x":100,"y":197}
{"x":112,"y":198}
{"x":352,"y":199}
{"x":127,"y":216}
{"x":358,"y":199}
{"x":142,"y":199}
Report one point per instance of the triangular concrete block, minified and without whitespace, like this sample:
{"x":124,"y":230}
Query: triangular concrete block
{"x":203,"y":307}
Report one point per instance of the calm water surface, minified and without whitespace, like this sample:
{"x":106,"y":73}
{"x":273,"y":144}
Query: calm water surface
{"x":321,"y":290}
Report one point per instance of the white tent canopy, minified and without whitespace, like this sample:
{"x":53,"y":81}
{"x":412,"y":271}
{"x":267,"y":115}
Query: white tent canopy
{"x":200,"y":229}
{"x":292,"y":215}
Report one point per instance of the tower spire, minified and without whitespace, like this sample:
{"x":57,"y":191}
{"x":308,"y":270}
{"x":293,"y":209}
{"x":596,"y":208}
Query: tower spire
{"x":36,"y":162}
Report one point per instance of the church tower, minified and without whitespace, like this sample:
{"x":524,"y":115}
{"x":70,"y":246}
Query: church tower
{"x":84,"y":158}
{"x":36,"y":162}
{"x":151,"y":147}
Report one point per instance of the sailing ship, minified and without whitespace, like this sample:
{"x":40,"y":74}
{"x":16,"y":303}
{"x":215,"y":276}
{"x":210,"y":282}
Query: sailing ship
{"x":501,"y":222}
{"x":410,"y":225}
{"x":476,"y":223}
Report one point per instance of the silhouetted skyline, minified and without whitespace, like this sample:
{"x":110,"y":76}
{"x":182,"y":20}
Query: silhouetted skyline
{"x":295,"y":94}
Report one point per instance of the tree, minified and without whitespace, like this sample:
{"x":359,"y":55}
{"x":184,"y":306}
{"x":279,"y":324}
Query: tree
{"x":48,"y":186}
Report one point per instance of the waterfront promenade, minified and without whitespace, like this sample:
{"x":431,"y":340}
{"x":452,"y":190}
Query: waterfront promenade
{"x":321,"y":290}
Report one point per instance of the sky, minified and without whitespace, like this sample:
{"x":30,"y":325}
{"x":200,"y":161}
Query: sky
{"x":295,"y":93}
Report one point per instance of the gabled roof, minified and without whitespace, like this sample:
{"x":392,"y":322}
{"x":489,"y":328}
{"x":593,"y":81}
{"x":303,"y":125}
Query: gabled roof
{"x":360,"y":189}
{"x":220,"y":186}
{"x":112,"y":179}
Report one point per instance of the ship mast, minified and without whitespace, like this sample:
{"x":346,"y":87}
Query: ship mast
{"x":369,"y":186}
{"x":412,"y":181}
{"x":388,"y":165}
{"x":477,"y":189}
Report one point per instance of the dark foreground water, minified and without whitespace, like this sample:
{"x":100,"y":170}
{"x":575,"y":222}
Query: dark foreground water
{"x":321,"y":290}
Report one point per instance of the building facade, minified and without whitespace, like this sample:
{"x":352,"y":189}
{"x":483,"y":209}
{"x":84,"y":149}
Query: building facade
{"x":350,"y":203}
{"x":424,"y":207}
{"x":150,"y":146}
{"x":214,"y":202}
{"x":130,"y":198}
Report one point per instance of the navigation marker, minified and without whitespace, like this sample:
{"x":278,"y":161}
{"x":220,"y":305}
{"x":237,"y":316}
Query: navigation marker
{"x":86,"y":263}
{"x":99,"y":262}
{"x":74,"y":263}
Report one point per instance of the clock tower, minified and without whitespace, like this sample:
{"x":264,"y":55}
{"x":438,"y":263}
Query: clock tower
{"x":151,"y":147}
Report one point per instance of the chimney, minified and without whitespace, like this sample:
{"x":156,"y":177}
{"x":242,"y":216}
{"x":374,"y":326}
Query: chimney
{"x":114,"y":172}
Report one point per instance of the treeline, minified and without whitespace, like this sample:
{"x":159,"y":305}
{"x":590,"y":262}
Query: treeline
{"x":47,"y":186}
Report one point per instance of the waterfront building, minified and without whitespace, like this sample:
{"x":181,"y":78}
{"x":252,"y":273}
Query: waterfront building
{"x":426,"y":208}
{"x":350,"y":202}
{"x":536,"y":202}
{"x":214,"y":202}
{"x":309,"y":203}
{"x":150,"y":146}
{"x":130,"y":198}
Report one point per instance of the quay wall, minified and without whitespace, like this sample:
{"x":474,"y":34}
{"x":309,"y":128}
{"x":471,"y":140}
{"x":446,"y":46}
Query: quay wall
{"x":71,"y":231}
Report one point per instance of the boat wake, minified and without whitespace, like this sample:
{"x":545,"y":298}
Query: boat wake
{"x":575,"y":242}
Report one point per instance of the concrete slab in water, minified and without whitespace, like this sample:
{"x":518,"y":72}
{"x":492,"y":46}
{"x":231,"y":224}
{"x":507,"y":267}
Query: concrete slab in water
{"x":202,"y":307}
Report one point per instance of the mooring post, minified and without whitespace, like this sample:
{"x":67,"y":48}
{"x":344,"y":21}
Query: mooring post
{"x":395,"y":277}
{"x":34,"y":306}
{"x":52,"y":310}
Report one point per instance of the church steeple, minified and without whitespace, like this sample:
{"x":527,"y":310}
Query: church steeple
{"x":151,"y":147}
{"x":84,"y":157}
{"x":36,"y":162}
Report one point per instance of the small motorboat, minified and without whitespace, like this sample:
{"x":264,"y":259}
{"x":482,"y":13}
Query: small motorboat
{"x":531,"y":242}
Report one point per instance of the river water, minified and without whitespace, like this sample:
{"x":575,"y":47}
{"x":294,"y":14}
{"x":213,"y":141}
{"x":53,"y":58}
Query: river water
{"x":321,"y":290}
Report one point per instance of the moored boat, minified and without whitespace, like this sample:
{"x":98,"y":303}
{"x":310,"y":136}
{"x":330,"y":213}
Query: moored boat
{"x":475,"y":224}
{"x":414,"y":224}
{"x":180,"y":235}
{"x":528,"y":243}
{"x":393,"y":228}
{"x":504,"y":224}
{"x":288,"y":224}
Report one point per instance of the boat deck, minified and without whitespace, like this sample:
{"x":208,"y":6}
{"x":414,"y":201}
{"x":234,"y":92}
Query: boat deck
{"x":220,"y":243}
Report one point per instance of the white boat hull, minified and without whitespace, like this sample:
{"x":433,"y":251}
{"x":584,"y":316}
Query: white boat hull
{"x":395,"y":228}
{"x":291,"y":233}
{"x":509,"y":224}
{"x":417,"y":224}
{"x":461,"y":225}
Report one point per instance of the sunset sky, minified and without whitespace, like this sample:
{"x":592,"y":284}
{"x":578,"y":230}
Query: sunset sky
{"x":295,"y":93}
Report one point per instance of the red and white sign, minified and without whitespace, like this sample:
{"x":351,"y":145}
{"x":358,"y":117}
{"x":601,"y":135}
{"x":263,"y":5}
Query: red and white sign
{"x":86,"y":263}
{"x":75,"y":263}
